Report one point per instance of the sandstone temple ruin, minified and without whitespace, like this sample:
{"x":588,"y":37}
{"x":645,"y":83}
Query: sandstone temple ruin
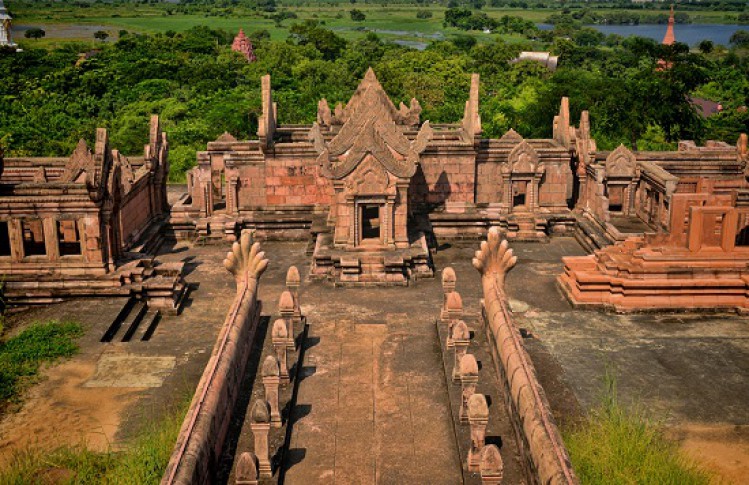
{"x":372,"y":187}
{"x":328,"y":364}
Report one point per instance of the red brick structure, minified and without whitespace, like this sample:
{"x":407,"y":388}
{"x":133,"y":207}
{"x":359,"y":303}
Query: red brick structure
{"x":375,"y":164}
{"x":85,"y":225}
{"x":690,"y":248}
{"x":243,"y":45}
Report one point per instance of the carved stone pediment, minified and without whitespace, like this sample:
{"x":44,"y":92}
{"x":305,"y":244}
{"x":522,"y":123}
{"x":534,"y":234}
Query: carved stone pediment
{"x":370,"y":178}
{"x":621,"y":163}
{"x":511,"y":135}
{"x":523,"y":159}
{"x":370,"y":129}
{"x":81,"y":166}
{"x":226,"y":137}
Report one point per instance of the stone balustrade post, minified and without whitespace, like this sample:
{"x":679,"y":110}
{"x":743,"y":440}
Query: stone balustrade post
{"x":279,"y":338}
{"x":286,"y":309}
{"x":491,"y":466}
{"x":271,"y":381}
{"x":469,"y":378}
{"x":461,"y":339}
{"x":478,"y":417}
{"x":260,"y":426}
{"x":293,"y":281}
{"x":448,"y":286}
{"x":454,"y":313}
{"x":246,"y":471}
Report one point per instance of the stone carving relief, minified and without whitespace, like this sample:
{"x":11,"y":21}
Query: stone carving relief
{"x":621,"y":163}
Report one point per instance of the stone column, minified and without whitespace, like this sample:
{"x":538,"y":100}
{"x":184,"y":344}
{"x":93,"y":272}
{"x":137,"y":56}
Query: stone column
{"x":491,"y":466}
{"x":271,"y":380}
{"x":260,"y":426}
{"x":286,"y":309}
{"x":454,"y":313}
{"x":245,"y":472}
{"x":49,"y":229}
{"x":15,"y":232}
{"x":478,"y":417}
{"x":469,"y":378}
{"x":448,"y":286}
{"x":293,"y":281}
{"x":461,"y":339}
{"x":279,"y":337}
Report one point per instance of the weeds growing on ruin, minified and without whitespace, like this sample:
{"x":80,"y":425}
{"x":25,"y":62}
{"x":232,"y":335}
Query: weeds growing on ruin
{"x":21,"y":356}
{"x":143,"y":460}
{"x":615,"y":445}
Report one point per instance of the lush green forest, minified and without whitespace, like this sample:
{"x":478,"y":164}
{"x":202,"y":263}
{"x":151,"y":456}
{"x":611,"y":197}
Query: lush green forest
{"x":49,"y":98}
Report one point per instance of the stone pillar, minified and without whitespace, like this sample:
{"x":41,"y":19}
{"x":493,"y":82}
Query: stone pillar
{"x":15,"y":232}
{"x":491,"y":466}
{"x":260,"y":426}
{"x":286,"y":309}
{"x":49,"y":229}
{"x":293,"y":281}
{"x":448,"y":286}
{"x":454,"y":313}
{"x":271,"y":380}
{"x":245,"y":472}
{"x":461,"y":339}
{"x":469,"y":378}
{"x":279,"y":337}
{"x":478,"y":417}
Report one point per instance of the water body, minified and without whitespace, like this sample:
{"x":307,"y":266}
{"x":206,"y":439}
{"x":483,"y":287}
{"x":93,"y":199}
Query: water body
{"x":690,"y":34}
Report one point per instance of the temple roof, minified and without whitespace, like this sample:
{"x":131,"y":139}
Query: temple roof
{"x":4,"y":15}
{"x":370,"y":126}
{"x":670,"y":38}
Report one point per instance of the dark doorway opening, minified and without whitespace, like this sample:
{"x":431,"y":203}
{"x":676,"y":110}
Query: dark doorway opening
{"x":519,"y":190}
{"x":370,"y":222}
{"x":4,"y":239}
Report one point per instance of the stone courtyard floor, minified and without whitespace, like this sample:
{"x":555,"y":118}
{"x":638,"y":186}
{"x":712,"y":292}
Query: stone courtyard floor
{"x":688,"y":371}
{"x":373,"y":405}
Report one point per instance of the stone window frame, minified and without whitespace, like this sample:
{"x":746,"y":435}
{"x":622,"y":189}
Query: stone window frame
{"x":80,"y":225}
{"x":33,"y":257}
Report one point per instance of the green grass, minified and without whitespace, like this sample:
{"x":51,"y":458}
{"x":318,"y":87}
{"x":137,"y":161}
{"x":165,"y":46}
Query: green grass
{"x":143,"y":461}
{"x":153,"y":19}
{"x":614,"y":446}
{"x":22,"y":356}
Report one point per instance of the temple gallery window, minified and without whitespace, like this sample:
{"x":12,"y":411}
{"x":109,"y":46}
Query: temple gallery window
{"x":4,"y":239}
{"x":69,"y":238}
{"x":33,"y":238}
{"x":370,"y":222}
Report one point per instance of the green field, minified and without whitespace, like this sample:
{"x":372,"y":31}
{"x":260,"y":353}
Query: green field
{"x":392,"y":23}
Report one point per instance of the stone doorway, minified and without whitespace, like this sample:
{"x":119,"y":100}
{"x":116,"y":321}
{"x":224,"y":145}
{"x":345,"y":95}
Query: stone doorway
{"x":370,"y":223}
{"x":519,"y":193}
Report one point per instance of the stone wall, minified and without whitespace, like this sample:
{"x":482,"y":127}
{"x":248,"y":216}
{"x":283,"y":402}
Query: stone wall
{"x":202,"y":436}
{"x":546,"y":456}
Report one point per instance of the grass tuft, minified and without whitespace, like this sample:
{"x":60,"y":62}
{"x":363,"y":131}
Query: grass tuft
{"x":614,"y":445}
{"x":143,"y":461}
{"x":21,"y":356}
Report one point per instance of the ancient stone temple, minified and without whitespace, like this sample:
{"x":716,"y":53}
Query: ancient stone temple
{"x":370,"y":162}
{"x":85,"y":225}
{"x":370,"y":185}
{"x":680,"y":222}
{"x":6,"y":39}
{"x":243,"y":45}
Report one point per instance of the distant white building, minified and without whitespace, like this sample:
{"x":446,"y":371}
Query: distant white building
{"x":5,"y":25}
{"x":543,"y":58}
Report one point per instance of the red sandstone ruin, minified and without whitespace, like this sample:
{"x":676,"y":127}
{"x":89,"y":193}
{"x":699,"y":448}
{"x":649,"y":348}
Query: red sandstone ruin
{"x":87,"y":225}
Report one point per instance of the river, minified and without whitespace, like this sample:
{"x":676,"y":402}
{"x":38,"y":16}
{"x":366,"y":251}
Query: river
{"x":690,"y":34}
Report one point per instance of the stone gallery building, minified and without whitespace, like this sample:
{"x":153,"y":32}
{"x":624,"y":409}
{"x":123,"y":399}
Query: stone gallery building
{"x":374,"y":186}
{"x":87,"y":224}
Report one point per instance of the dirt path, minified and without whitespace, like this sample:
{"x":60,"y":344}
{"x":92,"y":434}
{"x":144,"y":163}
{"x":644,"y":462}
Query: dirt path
{"x":61,"y":411}
{"x":721,"y":448}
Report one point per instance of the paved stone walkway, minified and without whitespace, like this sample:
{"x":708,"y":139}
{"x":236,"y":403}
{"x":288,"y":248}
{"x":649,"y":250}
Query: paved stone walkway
{"x":372,"y":407}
